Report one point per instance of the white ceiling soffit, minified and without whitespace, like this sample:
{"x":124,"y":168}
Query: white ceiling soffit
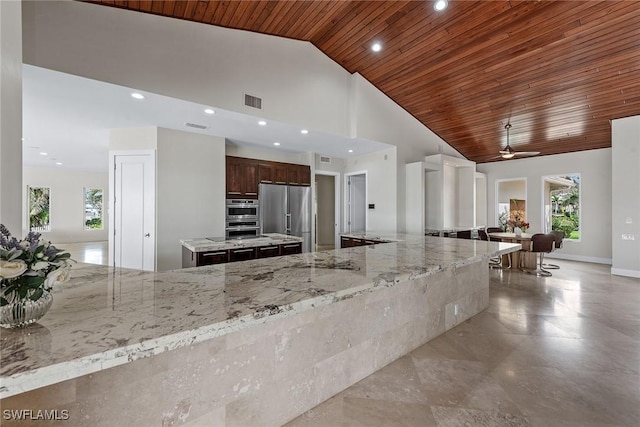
{"x":69,"y":117}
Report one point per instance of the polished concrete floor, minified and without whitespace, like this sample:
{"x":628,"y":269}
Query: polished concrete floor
{"x":556,"y":351}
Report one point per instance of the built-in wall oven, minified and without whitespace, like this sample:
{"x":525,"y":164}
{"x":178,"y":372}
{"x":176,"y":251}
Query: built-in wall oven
{"x":243,"y":219}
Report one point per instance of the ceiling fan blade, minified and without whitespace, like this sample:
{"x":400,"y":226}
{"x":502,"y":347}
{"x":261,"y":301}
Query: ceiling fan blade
{"x":526,"y":153}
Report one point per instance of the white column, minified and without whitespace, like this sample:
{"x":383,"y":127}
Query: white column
{"x":625,"y":196}
{"x":11,"y":115}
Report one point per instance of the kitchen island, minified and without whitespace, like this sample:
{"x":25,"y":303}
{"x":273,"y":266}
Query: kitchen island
{"x":219,"y":250}
{"x":249,"y":343}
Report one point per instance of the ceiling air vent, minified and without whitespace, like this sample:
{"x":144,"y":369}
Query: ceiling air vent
{"x":196,"y":126}
{"x":325,"y":159}
{"x":253,"y":101}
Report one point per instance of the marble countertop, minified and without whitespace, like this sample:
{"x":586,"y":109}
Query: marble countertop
{"x":105,"y":317}
{"x":219,"y":244}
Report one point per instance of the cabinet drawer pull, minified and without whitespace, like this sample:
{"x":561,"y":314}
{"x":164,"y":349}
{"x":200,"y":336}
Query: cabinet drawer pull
{"x":269,"y":249}
{"x":215,"y":253}
{"x":295,"y":183}
{"x":280,"y":182}
{"x":239,"y":251}
{"x":266,"y":181}
{"x":233,"y":192}
{"x":292,"y":246}
{"x":251,"y":194}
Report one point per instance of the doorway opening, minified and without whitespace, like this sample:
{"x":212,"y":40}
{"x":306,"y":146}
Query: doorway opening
{"x":327,"y":208}
{"x":356,"y":202}
{"x":511,"y":203}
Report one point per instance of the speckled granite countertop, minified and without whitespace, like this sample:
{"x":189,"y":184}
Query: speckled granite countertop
{"x":104,"y":317}
{"x":217,"y":244}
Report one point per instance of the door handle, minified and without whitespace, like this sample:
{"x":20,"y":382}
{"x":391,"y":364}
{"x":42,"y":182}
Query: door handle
{"x":288,"y":222}
{"x":147,"y":235}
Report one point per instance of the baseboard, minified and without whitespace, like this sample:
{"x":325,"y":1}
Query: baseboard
{"x":627,"y":273}
{"x":581,"y":258}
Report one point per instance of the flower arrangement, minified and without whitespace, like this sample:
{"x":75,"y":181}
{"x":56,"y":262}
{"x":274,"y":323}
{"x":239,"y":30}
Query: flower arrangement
{"x":518,"y":222}
{"x":29,"y":267}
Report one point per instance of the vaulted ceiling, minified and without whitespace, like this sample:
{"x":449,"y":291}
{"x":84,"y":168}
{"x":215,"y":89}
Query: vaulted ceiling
{"x":558,"y":71}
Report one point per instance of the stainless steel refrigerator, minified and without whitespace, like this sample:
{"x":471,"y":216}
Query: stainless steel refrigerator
{"x":286,"y":209}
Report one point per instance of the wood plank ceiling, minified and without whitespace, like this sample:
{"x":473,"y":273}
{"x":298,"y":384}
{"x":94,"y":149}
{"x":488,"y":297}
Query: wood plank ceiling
{"x":558,"y":71}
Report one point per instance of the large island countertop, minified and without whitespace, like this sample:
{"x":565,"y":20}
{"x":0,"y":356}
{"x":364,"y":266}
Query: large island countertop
{"x":105,"y":317}
{"x":219,"y":244}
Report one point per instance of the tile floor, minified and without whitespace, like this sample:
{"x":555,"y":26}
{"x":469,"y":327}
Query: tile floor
{"x":556,"y":351}
{"x":87,"y":252}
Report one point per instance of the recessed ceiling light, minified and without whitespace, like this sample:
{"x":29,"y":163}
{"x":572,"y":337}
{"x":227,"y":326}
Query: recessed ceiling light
{"x":351,"y":151}
{"x":22,"y":139}
{"x":137,"y":95}
{"x":376,"y":47}
{"x":276,"y":143}
{"x":59,"y":163}
{"x":209,"y":111}
{"x":440,"y":5}
{"x":262,"y":123}
{"x":43,"y":154}
{"x":304,"y":131}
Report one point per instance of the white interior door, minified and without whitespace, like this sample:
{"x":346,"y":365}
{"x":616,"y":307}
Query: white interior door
{"x":357,"y":203}
{"x":134,"y":209}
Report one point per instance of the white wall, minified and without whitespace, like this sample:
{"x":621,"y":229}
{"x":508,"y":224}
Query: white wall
{"x":129,"y":48}
{"x":11,"y":207}
{"x":190,"y":193}
{"x":595,"y":200}
{"x":449,"y":196}
{"x":377,"y":117}
{"x":275,"y":155}
{"x":381,"y":186}
{"x":512,"y":189}
{"x":67,"y":202}
{"x":415,"y":185}
{"x":481,"y":200}
{"x":625,"y":194}
{"x":196,"y":62}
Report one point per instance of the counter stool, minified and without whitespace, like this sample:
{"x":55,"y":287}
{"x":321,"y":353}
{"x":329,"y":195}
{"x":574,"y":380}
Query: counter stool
{"x":464,"y":234}
{"x":491,"y":239}
{"x":559,"y":235}
{"x":542,"y":244}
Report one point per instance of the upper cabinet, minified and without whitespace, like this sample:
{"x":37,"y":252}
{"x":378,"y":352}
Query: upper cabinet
{"x":242,"y":178}
{"x":244,"y":175}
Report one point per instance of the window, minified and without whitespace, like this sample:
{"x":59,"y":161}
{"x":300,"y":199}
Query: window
{"x":39,"y":208}
{"x":562,"y":204}
{"x":93,"y":209}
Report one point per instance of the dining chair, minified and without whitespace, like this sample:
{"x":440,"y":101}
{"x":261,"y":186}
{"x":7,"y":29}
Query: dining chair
{"x":542,"y":244}
{"x":559,"y":235}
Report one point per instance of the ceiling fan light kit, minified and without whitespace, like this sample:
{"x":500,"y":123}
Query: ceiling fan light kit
{"x":509,"y":153}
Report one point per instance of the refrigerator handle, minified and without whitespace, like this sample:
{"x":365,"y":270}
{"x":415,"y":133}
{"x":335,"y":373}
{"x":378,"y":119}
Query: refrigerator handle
{"x":287,"y":223}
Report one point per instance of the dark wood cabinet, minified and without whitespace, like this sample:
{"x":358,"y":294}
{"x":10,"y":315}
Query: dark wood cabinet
{"x":241,"y":178}
{"x":265,"y":173}
{"x":304,"y":175}
{"x":245,"y":175}
{"x":279,"y":173}
{"x":241,"y":254}
{"x":268,"y":251}
{"x":350,"y":242}
{"x":214,"y":257}
{"x":291,"y":248}
{"x":292,"y":175}
{"x":198,"y":259}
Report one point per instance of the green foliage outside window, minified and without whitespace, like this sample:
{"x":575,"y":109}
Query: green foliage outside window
{"x":39,"y":209}
{"x":92,"y":208}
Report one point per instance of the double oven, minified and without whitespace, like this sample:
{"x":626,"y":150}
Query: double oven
{"x":243,"y":219}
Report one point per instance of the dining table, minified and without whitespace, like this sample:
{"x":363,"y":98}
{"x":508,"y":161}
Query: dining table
{"x":524,"y":258}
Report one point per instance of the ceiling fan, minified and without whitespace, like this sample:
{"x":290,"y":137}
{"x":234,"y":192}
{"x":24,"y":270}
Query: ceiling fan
{"x":510,"y":153}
